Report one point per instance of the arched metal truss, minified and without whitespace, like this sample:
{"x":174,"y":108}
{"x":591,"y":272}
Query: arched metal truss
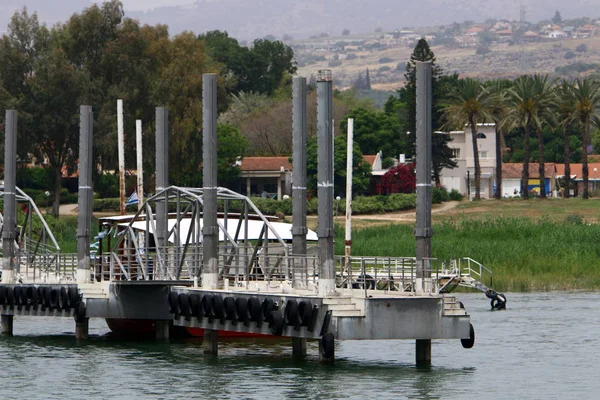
{"x":251,"y":246}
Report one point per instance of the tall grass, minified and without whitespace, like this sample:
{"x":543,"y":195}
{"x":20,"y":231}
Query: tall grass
{"x":523,"y":254}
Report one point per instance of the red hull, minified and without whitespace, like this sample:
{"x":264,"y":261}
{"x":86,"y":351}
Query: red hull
{"x":146,"y":327}
{"x":199,"y":332}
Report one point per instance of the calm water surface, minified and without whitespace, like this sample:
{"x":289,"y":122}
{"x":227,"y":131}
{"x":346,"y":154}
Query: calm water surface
{"x":543,"y":347}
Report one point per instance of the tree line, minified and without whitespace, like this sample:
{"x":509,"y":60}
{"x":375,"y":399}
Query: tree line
{"x":528,"y":107}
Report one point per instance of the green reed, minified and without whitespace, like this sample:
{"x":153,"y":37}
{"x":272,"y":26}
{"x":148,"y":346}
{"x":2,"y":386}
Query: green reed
{"x":524,"y":254}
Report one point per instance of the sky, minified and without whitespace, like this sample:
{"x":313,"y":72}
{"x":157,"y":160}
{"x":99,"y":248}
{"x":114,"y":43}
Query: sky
{"x":143,"y":5}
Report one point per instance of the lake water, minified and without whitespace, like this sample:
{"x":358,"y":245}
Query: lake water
{"x":544,"y":346}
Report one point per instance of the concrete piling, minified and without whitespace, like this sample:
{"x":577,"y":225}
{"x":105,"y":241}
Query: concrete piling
{"x":325,"y":182}
{"x":85,"y":198}
{"x":298,"y":347}
{"x":162,"y":182}
{"x":10,"y":204}
{"x":423,"y":231}
{"x":299,"y":228}
{"x":7,"y":325}
{"x":210,"y":229}
{"x":162,"y":328}
{"x":82,"y":329}
{"x":211,"y":342}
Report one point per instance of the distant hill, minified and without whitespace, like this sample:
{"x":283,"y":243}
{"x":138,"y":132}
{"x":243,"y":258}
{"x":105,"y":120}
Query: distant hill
{"x":249,"y":19}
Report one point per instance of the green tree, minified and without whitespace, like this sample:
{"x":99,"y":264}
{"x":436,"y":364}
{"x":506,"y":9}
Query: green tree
{"x":557,"y":19}
{"x":498,"y":88}
{"x":375,"y":131}
{"x":529,"y":104}
{"x":565,"y":115}
{"x":361,"y":173}
{"x":261,"y":68}
{"x":470,"y":103}
{"x":586,"y":102}
{"x":231,"y":146}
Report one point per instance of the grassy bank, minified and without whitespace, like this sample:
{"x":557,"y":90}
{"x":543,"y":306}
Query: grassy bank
{"x":523,"y":253}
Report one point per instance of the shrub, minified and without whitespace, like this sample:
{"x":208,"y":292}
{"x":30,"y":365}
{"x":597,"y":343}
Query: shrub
{"x":400,"y":179}
{"x":569,"y":54}
{"x":582,"y":48}
{"x":439,"y":194}
{"x":385,"y":60}
{"x":482,"y":50}
{"x":455,"y":195}
{"x":334,"y":63}
{"x":384,"y":68}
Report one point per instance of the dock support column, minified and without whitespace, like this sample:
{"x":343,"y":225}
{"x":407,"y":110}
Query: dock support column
{"x":162,"y":183}
{"x":85,"y":198}
{"x":211,"y":342}
{"x":10,"y":205}
{"x":299,"y":229}
{"x":423,"y":231}
{"x":162,"y":327}
{"x":210,"y":228}
{"x":82,"y":329}
{"x":7,"y":325}
{"x":325,"y":183}
{"x":298,"y":347}
{"x":423,"y":352}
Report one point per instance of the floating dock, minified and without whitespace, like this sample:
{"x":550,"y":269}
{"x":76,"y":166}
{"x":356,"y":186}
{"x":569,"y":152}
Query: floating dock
{"x":206,"y":260}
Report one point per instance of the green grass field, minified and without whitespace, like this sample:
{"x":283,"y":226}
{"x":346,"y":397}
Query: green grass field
{"x":529,"y":245}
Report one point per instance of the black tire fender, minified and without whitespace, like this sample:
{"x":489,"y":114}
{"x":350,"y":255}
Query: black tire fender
{"x":206,"y":302}
{"x":217,"y":307}
{"x":470,"y":341}
{"x":183,"y":303}
{"x":268,"y":305}
{"x":229,"y":305}
{"x":291,"y":312}
{"x":173,"y":300}
{"x":80,"y":312}
{"x":241,"y":308}
{"x":63,"y":299}
{"x":194,"y":299}
{"x":47,"y":290}
{"x":54,"y":298}
{"x":327,"y":345}
{"x":276,"y":323}
{"x":326,"y":322}
{"x":10,"y":297}
{"x":255,"y":309}
{"x":17,"y":296}
{"x":73,"y":297}
{"x":32,"y":295}
{"x":2,"y":295}
{"x":305,"y":310}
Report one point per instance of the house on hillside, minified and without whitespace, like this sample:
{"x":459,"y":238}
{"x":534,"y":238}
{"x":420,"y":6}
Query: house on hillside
{"x":462,"y":178}
{"x":557,"y":35}
{"x":513,"y":172}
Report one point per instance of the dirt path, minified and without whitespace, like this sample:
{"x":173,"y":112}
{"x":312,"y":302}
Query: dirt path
{"x":406,"y":215}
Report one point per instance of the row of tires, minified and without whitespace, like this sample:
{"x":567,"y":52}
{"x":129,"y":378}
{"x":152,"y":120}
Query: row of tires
{"x":244,"y":310}
{"x":57,"y":298}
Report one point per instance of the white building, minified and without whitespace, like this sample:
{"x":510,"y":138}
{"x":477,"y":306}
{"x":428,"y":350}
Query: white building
{"x":462,"y":178}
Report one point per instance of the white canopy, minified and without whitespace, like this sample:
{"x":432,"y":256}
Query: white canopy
{"x":284,"y":230}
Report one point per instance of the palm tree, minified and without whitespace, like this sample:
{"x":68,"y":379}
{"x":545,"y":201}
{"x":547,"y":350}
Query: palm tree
{"x":565,"y":110}
{"x":529,"y":104}
{"x":586,"y":103}
{"x":498,"y":88}
{"x":469,"y":103}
